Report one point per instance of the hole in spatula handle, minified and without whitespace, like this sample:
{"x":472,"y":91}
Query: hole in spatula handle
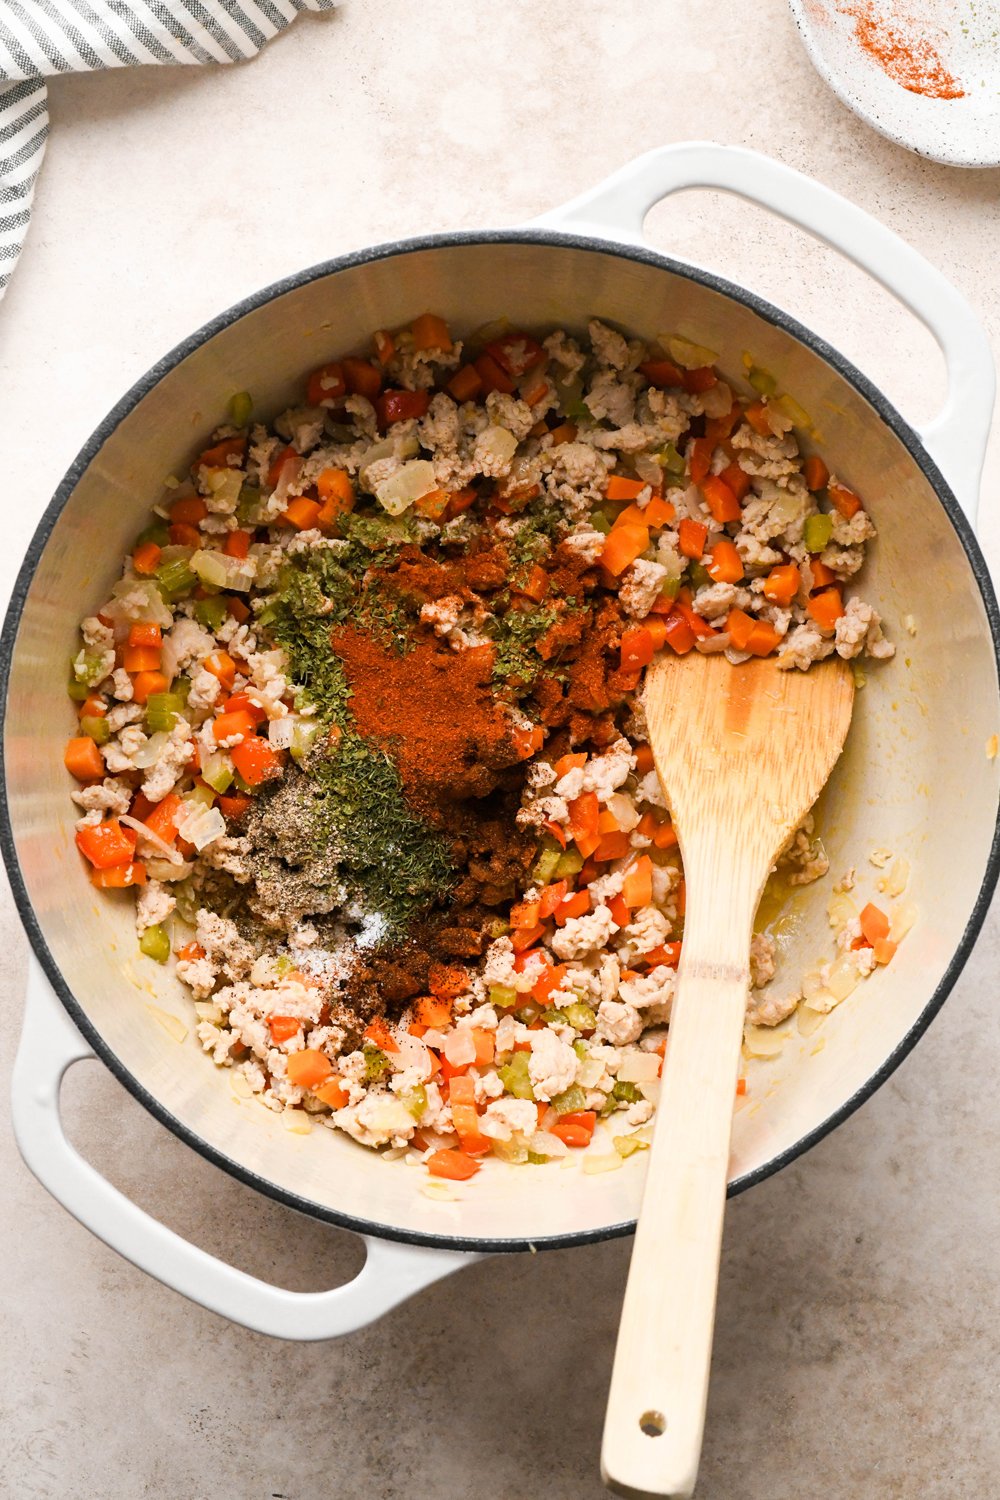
{"x":653,"y":1423}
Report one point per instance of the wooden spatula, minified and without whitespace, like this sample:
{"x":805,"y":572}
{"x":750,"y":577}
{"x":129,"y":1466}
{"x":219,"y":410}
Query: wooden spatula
{"x":742,"y":754}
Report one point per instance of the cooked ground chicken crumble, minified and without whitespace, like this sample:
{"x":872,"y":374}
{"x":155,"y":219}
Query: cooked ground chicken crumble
{"x":362,"y":724}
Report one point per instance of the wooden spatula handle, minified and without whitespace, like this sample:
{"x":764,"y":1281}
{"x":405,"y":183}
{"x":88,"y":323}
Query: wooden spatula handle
{"x":659,"y":1384}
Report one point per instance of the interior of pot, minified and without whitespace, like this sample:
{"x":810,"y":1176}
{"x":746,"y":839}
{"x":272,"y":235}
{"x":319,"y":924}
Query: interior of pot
{"x":915,"y":778}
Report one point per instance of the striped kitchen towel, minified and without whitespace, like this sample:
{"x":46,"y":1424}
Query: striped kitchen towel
{"x":38,"y":37}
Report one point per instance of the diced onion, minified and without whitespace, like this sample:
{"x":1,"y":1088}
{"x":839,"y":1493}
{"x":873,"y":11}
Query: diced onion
{"x":159,"y":869}
{"x":843,"y":978}
{"x":281,"y":732}
{"x":594,"y":1165}
{"x":808,"y":1020}
{"x":717,"y":400}
{"x":903,"y":917}
{"x":840,"y":909}
{"x":638,"y":1067}
{"x":409,"y":483}
{"x":165,"y":850}
{"x":201,"y":825}
{"x":590,"y":1071}
{"x":498,"y":442}
{"x":224,"y":486}
{"x":762,"y":1041}
{"x":689,"y":356}
{"x":297,"y":1121}
{"x":135,"y":599}
{"x":649,"y":1088}
{"x":148,"y":754}
{"x":544,"y":1143}
{"x":895,"y":882}
{"x":623,"y":810}
{"x":460,"y":1047}
{"x":172,"y":1025}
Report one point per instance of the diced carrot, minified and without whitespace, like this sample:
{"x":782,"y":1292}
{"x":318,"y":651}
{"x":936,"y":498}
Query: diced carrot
{"x":516,"y":353}
{"x":874,"y":923}
{"x":536,"y":585}
{"x":141,"y":658}
{"x":607,"y":822}
{"x":720,"y":499}
{"x":144,"y":633}
{"x":584,"y":814}
{"x":526,"y":741}
{"x":308,"y":1068}
{"x":564,"y":433}
{"x":884,"y":949}
{"x":699,"y":458}
{"x":621,"y":488}
{"x":228,"y":453}
{"x":724,"y":562}
{"x":691,"y":537}
{"x":575,"y":762}
{"x":737,"y":479}
{"x":190,"y":510}
{"x":572,"y":1134}
{"x":190,"y":953}
{"x":465,"y":384}
{"x":93,"y":707}
{"x":145,"y":684}
{"x":536,"y":393}
{"x":699,"y":626}
{"x":234,"y":806}
{"x":576,"y":905}
{"x":611,"y":846}
{"x":739,"y":624}
{"x":525,"y":914}
{"x":163,"y":819}
{"x":718,"y":429}
{"x":301,"y":513}
{"x":326,"y":385}
{"x":637,"y":887}
{"x":741,"y":1087}
{"x":237,"y":543}
{"x":636,"y":648}
{"x":763,"y":639}
{"x":106,"y":844}
{"x":619,"y":909}
{"x":826,"y":608}
{"x":821,"y":574}
{"x":238,"y":721}
{"x":485,"y":1046}
{"x":184,"y":535}
{"x":430,"y":332}
{"x":522,"y":938}
{"x":117,"y":877}
{"x":662,"y":373}
{"x":222,"y":666}
{"x":82,"y":759}
{"x":643,"y":759}
{"x":782,"y":584}
{"x":433,"y":505}
{"x":332,"y":1093}
{"x":557,"y":833}
{"x":145,"y":559}
{"x":400,"y":406}
{"x":665,"y":836}
{"x":432,"y":1011}
{"x":667,"y":953}
{"x":238,"y":609}
{"x":336,"y":492}
{"x":362,"y":378}
{"x":551,"y":897}
{"x":452,"y":1164}
{"x":815,"y":472}
{"x":702,"y":379}
{"x":659,"y":512}
{"x":680,"y":636}
{"x":283,"y":1028}
{"x":379,"y":1032}
{"x":243,"y":703}
{"x":384,"y":345}
{"x":843,"y":500}
{"x":623,"y":546}
{"x":756,"y":415}
{"x":492,"y":377}
{"x":256,"y":760}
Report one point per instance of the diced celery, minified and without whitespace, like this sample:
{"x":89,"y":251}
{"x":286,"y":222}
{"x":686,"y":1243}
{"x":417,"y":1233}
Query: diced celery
{"x":528,"y":1013}
{"x":497,"y":927}
{"x":536,"y":1159}
{"x":155,"y":943}
{"x":602,"y":522}
{"x":157,"y":533}
{"x":200,"y":794}
{"x":581,"y":1049}
{"x":670,"y":459}
{"x":188,"y":900}
{"x":699,"y":574}
{"x":627,"y":1093}
{"x":88,"y":668}
{"x":210,"y":613}
{"x":515,"y":1076}
{"x":570,"y":863}
{"x":415,"y":1100}
{"x":96,"y":728}
{"x":78,"y":691}
{"x":162,"y":711}
{"x":628,"y":1145}
{"x":182,"y":687}
{"x":570,"y":1100}
{"x":513,"y":1151}
{"x":670,"y":588}
{"x":303,"y":737}
{"x":282,"y":965}
{"x":241,"y":408}
{"x":217,"y":771}
{"x":503,"y":996}
{"x":580,"y":1016}
{"x":818,"y":531}
{"x":762,"y":381}
{"x":548,"y":858}
{"x":608,"y":1107}
{"x":175,"y":579}
{"x":267,"y":616}
{"x":376,"y":1064}
{"x":248,"y":505}
{"x":241,"y":785}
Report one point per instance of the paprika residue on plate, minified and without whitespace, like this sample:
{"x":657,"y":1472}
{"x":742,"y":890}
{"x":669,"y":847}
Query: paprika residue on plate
{"x":903,"y":47}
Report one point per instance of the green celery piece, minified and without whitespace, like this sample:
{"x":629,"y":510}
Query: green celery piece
{"x":700,"y":576}
{"x":818,"y":531}
{"x":77,"y":690}
{"x":762,"y":381}
{"x":155,"y":943}
{"x":376,"y":1064}
{"x":90,"y":671}
{"x":570,"y":1100}
{"x":536,"y":1159}
{"x":241,"y":409}
{"x":515,"y":1076}
{"x":545,"y":865}
{"x":581,"y":1049}
{"x":162,"y":711}
{"x":211,"y":612}
{"x":497,"y":927}
{"x":241,"y":785}
{"x":627,"y":1093}
{"x":415,"y":1100}
{"x":247,"y":505}
{"x":600,"y":522}
{"x":96,"y":727}
{"x":157,"y":533}
{"x":175,"y":580}
{"x":570,"y":863}
{"x":608,"y":1107}
{"x":628,"y":1145}
{"x":217,"y":772}
{"x":503,"y":996}
{"x":528,"y":1013}
{"x":670,"y":588}
{"x":671,"y":460}
{"x":580,"y":1016}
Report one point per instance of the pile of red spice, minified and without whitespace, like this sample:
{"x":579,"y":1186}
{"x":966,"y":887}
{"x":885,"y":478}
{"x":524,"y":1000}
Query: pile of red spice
{"x":904,"y":50}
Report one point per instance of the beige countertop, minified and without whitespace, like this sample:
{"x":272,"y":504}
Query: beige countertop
{"x":857,"y":1332}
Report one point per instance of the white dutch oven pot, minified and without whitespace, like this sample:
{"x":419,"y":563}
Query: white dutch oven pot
{"x":915,"y":777}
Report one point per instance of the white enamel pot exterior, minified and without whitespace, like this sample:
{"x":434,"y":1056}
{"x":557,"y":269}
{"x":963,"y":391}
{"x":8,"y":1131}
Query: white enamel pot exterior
{"x":915,"y":777}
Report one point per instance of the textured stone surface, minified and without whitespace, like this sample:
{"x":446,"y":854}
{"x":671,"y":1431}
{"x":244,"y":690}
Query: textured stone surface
{"x":857,"y":1331}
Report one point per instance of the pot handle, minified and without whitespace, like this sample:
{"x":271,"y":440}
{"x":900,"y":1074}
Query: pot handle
{"x":956,"y":439}
{"x":50,"y":1044}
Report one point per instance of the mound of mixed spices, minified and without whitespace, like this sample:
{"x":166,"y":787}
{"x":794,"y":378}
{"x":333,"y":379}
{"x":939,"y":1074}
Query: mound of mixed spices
{"x":361,"y":724}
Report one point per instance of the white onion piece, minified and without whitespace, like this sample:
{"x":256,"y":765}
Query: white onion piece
{"x":543,"y":1143}
{"x":409,"y":483}
{"x":639,"y":1067}
{"x":623,"y":810}
{"x":159,"y":869}
{"x":413,"y":1054}
{"x":593,"y":1165}
{"x":434,"y":1038}
{"x":281,"y":732}
{"x":717,"y":400}
{"x":460,"y":1047}
{"x":173,"y":856}
{"x":148,"y":754}
{"x":497,"y":443}
{"x":201,"y":826}
{"x":135,"y":599}
{"x":689,"y":356}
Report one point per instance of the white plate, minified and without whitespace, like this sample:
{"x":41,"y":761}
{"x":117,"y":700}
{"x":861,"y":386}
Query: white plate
{"x":961,"y":36}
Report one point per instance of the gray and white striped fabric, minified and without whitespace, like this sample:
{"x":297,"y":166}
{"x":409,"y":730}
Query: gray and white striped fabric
{"x":40,"y":37}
